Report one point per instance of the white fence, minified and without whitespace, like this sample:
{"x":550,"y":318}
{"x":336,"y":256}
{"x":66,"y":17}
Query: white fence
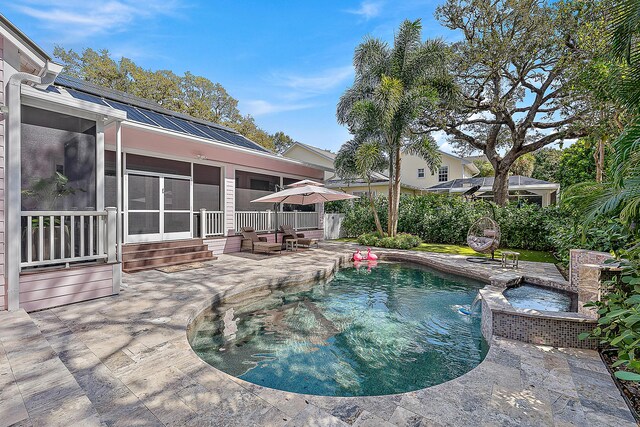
{"x":265,"y":221}
{"x":66,"y":237}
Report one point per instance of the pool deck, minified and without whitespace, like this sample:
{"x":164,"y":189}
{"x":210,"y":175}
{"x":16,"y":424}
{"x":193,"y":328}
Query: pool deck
{"x":125,"y":361}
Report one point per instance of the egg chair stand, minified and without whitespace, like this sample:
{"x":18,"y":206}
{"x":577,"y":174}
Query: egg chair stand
{"x":484,"y":237}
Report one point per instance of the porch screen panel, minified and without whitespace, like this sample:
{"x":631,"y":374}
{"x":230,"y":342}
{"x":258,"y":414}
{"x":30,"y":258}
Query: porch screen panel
{"x":144,"y":204}
{"x":157,"y":165}
{"x":58,"y":161}
{"x":206,"y":188}
{"x":110,"y":180}
{"x":250,"y":186}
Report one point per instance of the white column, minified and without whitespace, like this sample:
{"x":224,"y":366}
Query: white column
{"x":119,"y":237}
{"x":13,"y":195}
{"x":100,"y":181}
{"x":112,"y":239}
{"x":203,"y":223}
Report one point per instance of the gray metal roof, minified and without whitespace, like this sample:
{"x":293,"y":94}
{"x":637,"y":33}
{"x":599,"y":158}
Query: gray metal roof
{"x":148,"y":112}
{"x":514,"y":180}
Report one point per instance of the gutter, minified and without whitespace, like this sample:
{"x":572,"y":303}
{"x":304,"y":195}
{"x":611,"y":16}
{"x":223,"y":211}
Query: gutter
{"x":13,"y":199}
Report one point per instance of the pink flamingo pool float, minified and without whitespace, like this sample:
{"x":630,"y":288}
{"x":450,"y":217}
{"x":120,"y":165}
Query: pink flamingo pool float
{"x":371,"y":256}
{"x":357,"y":256}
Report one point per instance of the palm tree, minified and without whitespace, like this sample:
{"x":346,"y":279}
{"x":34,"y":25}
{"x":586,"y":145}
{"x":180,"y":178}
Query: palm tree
{"x":361,"y":160}
{"x":393,"y":86}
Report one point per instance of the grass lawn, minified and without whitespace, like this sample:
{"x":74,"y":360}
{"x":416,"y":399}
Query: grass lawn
{"x":525,"y":255}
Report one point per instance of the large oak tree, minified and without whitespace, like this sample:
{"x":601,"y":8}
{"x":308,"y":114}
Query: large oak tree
{"x":514,"y":64}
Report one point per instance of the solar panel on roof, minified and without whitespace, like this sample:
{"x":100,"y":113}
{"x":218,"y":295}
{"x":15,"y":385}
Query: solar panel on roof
{"x":163,"y":121}
{"x":191,"y":129}
{"x":132,"y":113}
{"x":148,"y":112}
{"x":86,"y":97}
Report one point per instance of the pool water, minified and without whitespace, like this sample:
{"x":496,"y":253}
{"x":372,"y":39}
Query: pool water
{"x":539,"y":298}
{"x":389,"y":329}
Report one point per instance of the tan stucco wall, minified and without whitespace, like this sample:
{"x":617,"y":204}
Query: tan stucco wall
{"x":411,"y":164}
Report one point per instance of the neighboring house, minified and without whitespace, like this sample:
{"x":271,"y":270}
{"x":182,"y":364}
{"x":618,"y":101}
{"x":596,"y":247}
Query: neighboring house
{"x":312,"y":155}
{"x":359,"y":187}
{"x":415,"y":178}
{"x":97,"y":181}
{"x":532,"y":190}
{"x":415,"y":172}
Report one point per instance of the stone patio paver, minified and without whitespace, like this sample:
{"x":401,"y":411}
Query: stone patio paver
{"x":125,"y":360}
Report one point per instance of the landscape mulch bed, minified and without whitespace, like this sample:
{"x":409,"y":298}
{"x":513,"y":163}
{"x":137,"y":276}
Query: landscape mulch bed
{"x":630,"y":389}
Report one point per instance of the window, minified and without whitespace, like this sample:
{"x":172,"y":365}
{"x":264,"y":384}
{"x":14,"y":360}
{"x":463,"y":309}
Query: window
{"x":58,"y":157}
{"x":421,"y":173}
{"x":443,"y":174}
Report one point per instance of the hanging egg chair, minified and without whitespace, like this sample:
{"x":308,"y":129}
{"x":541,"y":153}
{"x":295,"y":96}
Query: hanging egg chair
{"x":484,"y":237}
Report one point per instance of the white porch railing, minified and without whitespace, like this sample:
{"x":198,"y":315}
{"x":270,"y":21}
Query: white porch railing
{"x":258,"y":220}
{"x":211,"y":223}
{"x":65,"y":237}
{"x":265,"y":221}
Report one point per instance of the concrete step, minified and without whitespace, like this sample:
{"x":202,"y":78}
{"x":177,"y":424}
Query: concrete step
{"x":154,"y":253}
{"x":169,"y":264}
{"x":135,"y":247}
{"x":141,"y":264}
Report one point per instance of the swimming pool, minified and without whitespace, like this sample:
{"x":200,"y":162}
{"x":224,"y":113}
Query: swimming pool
{"x":393,"y":328}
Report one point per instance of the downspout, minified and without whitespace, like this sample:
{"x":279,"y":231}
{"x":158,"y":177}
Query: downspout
{"x":13,"y":199}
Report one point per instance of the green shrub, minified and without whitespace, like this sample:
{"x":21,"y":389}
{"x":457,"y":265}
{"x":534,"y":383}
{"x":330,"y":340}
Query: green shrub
{"x":619,"y":323}
{"x":369,"y":239}
{"x":400,"y":241}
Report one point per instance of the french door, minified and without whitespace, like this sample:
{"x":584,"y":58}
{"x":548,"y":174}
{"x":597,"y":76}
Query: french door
{"x":158,"y":207}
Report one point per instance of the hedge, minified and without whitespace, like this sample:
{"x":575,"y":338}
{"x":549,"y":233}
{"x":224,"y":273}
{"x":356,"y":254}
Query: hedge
{"x":444,"y":218}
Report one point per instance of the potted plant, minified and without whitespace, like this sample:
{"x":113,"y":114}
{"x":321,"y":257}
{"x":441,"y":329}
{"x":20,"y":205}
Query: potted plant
{"x":47,"y":192}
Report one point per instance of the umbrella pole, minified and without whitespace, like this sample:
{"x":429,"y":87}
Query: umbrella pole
{"x":277,"y":209}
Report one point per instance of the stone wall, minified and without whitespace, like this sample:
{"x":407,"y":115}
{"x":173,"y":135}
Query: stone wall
{"x":578,"y":257}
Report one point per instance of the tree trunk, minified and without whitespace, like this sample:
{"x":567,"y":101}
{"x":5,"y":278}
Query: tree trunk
{"x":501,"y":186}
{"x":374,"y":209}
{"x":396,"y":190}
{"x":599,"y":158}
{"x":390,"y":196}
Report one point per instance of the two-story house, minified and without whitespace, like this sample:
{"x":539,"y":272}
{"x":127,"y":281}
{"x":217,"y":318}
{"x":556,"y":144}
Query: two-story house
{"x":416,"y":177}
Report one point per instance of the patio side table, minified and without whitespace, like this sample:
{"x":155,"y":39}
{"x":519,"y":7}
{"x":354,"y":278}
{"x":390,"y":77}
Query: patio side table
{"x":510,"y":259}
{"x":291,"y":245}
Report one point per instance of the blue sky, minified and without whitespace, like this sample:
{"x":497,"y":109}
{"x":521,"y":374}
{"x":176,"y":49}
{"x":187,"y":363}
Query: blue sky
{"x":287,"y":62}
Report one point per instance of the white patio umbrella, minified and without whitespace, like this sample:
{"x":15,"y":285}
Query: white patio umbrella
{"x":305,"y":182}
{"x":301,"y":193}
{"x":305,"y":195}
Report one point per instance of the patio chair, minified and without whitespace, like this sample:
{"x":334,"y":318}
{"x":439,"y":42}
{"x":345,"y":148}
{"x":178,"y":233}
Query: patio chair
{"x":289,"y":233}
{"x":251,"y":240}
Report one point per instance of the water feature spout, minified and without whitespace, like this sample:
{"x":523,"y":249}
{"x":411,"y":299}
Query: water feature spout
{"x":475,"y":302}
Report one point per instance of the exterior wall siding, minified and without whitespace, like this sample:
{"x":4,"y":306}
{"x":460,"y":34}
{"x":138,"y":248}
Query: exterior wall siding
{"x":3,"y":285}
{"x":59,"y":287}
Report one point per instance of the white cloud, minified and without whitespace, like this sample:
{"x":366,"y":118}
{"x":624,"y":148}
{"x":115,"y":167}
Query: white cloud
{"x":302,"y":86}
{"x":80,"y":19}
{"x":260,"y":107}
{"x":367,"y":9}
